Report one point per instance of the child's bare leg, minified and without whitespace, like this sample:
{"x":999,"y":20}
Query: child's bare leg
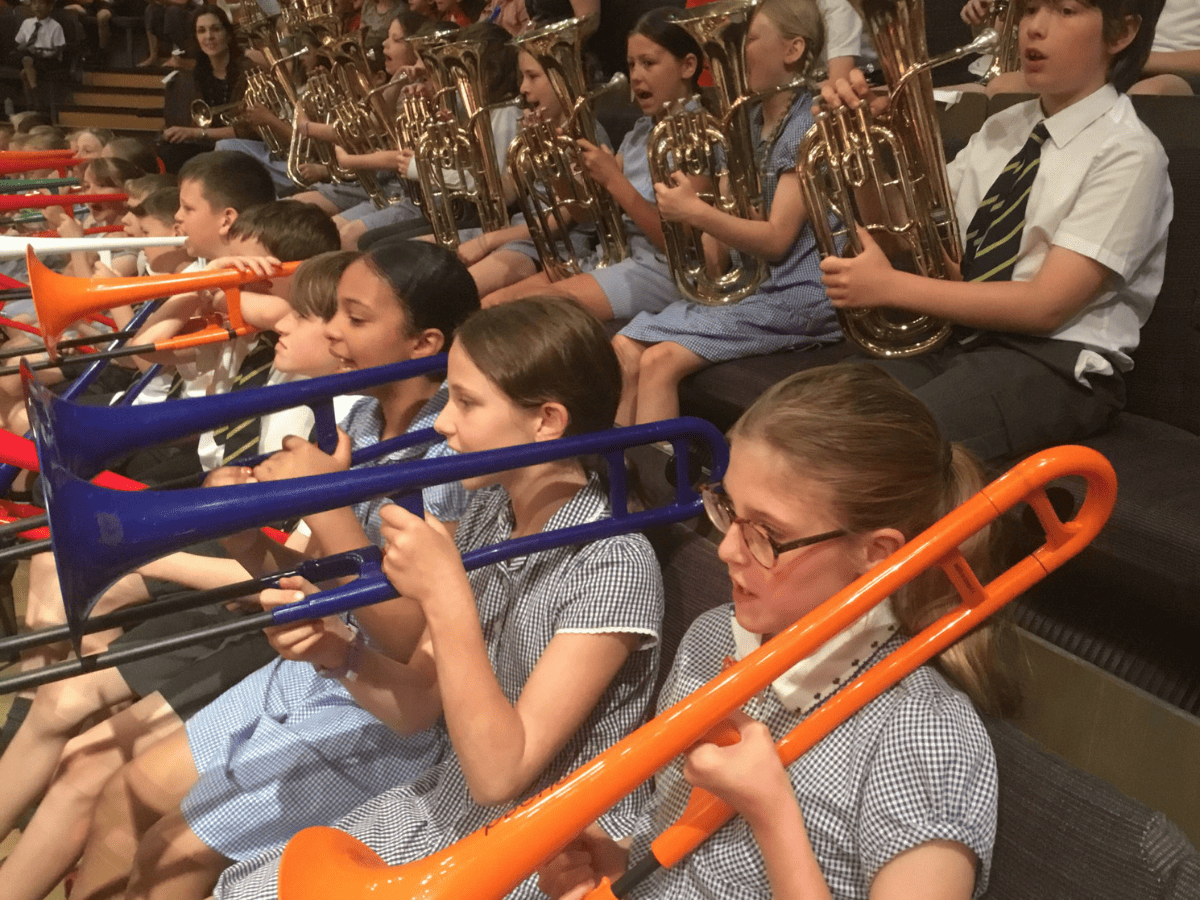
{"x":500,"y":269}
{"x":629,"y":355}
{"x":583,"y":289}
{"x":57,"y":712}
{"x":173,"y":864}
{"x":663,"y":366}
{"x":1165,"y":84}
{"x":52,"y":842}
{"x":317,"y":199}
{"x":142,"y":792}
{"x":350,"y":232}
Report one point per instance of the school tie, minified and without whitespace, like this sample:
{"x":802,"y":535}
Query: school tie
{"x":994,"y":237}
{"x":239,"y":438}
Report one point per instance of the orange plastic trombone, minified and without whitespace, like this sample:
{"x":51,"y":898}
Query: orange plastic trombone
{"x":61,"y":299}
{"x":10,"y":202}
{"x":13,"y":162}
{"x":325,"y":862}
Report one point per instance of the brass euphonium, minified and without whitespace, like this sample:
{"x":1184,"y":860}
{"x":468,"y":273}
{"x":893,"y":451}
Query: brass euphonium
{"x":694,"y":141}
{"x":889,"y":176}
{"x":1006,"y":57}
{"x":456,"y":154}
{"x":544,"y":162}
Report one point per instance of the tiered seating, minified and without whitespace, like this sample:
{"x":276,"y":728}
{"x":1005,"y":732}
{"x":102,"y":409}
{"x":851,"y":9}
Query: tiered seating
{"x":1132,"y":600}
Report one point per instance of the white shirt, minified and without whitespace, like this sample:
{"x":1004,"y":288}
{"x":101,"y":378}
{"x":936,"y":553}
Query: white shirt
{"x":1178,"y":27}
{"x":843,"y":28}
{"x":1102,"y":191}
{"x":50,"y":36}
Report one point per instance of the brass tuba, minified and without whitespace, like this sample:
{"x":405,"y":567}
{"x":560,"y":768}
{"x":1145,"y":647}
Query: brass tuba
{"x":693,"y":142}
{"x":456,"y":154}
{"x":900,"y":163}
{"x":1006,"y":57}
{"x":544,"y":161}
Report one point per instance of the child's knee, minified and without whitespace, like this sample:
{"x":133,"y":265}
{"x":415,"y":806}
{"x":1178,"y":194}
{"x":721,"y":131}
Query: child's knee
{"x":668,"y":363}
{"x":350,"y":232}
{"x":631,"y":355}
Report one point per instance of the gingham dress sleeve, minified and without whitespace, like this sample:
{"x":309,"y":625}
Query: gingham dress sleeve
{"x":933,"y":777}
{"x":631,"y":599}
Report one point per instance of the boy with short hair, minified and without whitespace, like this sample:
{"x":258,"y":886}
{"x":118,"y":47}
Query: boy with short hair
{"x":1063,"y":252}
{"x":40,"y":41}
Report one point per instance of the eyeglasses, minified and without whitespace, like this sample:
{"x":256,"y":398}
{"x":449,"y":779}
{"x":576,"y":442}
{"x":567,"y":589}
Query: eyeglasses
{"x":764,"y":548}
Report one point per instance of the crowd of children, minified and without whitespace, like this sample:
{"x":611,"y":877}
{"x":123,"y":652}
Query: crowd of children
{"x":413,"y":722}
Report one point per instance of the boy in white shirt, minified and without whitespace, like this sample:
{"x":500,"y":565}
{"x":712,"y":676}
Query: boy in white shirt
{"x":1045,"y":336}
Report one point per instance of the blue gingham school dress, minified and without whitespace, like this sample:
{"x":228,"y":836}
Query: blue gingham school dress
{"x":286,"y":748}
{"x":611,"y":585}
{"x":790,"y":309}
{"x":914,"y":765}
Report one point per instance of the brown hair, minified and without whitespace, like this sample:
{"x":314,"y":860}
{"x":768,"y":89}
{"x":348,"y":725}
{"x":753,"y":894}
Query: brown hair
{"x":315,"y":284}
{"x":878,"y":448}
{"x":289,"y":229}
{"x":111,"y":172}
{"x":543,"y":349}
{"x":798,"y":19}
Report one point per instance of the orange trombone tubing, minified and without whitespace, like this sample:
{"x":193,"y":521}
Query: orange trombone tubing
{"x":324,"y":862}
{"x":10,"y":202}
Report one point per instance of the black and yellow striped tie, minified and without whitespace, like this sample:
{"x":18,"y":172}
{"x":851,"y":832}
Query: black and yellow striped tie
{"x":994,"y":238}
{"x":239,"y":438}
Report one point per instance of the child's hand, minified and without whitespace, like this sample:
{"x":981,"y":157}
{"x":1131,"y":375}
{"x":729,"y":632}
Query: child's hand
{"x":323,"y":642}
{"x":851,"y":92}
{"x":977,"y":12}
{"x":230,"y":475}
{"x":747,"y":775}
{"x":861,"y":282}
{"x":581,"y":864}
{"x":419,"y":556}
{"x":299,"y":458}
{"x":677,"y":202}
{"x":69,"y":228}
{"x":100,"y":270}
{"x":472,"y":251}
{"x":404,"y":158}
{"x":313,"y":172}
{"x":600,"y":163}
{"x":265,"y":266}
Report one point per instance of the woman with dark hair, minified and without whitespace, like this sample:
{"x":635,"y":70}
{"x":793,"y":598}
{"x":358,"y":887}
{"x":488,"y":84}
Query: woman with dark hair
{"x":216,"y":79}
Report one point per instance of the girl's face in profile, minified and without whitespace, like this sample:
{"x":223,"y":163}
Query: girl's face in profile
{"x":766,"y":54}
{"x":480,"y":416}
{"x":536,"y":89}
{"x":397,"y":52}
{"x":370,"y":328}
{"x":103,"y":213}
{"x":302,"y":348}
{"x":656,"y":75}
{"x":763,"y":488}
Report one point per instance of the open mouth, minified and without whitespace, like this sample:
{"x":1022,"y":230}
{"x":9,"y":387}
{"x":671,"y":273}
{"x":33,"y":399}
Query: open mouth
{"x":1034,"y":55}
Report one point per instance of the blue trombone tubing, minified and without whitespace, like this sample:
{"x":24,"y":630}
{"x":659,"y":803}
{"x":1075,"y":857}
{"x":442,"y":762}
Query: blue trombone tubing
{"x":8,"y":474}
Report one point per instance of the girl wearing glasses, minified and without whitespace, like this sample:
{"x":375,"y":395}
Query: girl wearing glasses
{"x":829,"y":473}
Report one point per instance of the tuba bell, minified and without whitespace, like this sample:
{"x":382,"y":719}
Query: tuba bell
{"x":899,"y":160}
{"x":544,"y":161}
{"x":693,"y":141}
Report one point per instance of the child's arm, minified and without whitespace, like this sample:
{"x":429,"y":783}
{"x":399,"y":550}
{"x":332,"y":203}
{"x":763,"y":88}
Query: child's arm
{"x":1179,"y":62}
{"x":501,"y":747}
{"x":472,"y":251}
{"x":379,"y":159}
{"x":749,"y":777}
{"x":605,"y":168}
{"x":1065,"y":284}
{"x":404,"y":695}
{"x":770,"y":238}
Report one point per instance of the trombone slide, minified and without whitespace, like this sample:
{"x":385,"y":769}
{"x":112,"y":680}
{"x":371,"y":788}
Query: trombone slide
{"x":486,"y":865}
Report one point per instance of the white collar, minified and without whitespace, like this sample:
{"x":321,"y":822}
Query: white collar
{"x":824,"y":671}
